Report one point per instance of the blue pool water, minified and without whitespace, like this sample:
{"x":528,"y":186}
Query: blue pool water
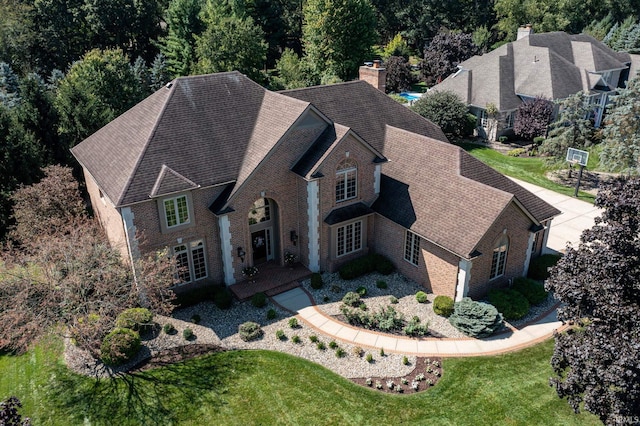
{"x":410,"y":96}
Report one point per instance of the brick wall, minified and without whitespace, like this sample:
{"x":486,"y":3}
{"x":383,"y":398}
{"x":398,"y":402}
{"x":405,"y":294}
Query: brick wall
{"x":517,"y":225}
{"x":437,"y":269}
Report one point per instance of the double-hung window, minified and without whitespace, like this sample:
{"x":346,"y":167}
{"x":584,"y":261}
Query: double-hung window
{"x":510,"y":120}
{"x":349,"y":238}
{"x":176,"y":211}
{"x":499,"y":259}
{"x":346,"y":181}
{"x":412,"y":248}
{"x":190,"y":261}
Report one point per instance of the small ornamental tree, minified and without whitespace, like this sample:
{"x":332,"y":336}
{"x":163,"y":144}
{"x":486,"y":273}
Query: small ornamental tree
{"x":598,"y":283}
{"x":532,"y":118}
{"x":571,"y":129}
{"x":445,"y":109}
{"x":475,"y":319}
{"x":399,"y":77}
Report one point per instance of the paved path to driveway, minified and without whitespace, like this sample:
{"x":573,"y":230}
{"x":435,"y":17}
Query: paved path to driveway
{"x":577,"y":215}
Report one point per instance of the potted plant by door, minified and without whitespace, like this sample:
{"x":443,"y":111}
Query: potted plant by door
{"x":289,"y":259}
{"x":250,"y":272}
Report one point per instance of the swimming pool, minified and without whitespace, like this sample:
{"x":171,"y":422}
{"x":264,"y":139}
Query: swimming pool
{"x":411,"y":96}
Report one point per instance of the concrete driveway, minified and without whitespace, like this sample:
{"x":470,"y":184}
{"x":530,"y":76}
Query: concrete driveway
{"x":577,"y":215}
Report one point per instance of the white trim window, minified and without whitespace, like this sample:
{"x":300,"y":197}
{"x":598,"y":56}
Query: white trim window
{"x":191,"y":261}
{"x":346,"y":180}
{"x":510,"y":120}
{"x":499,"y":259}
{"x":484,"y":118}
{"x":176,"y":211}
{"x":412,"y":248}
{"x":348,"y":238}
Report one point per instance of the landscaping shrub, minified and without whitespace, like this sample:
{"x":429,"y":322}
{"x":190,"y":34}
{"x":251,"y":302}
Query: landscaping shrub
{"x":443,"y":305}
{"x":381,"y":284}
{"x":249,"y":331}
{"x":532,"y":290}
{"x":134,"y":318}
{"x":393,"y":300}
{"x":293,"y":322}
{"x":280,"y":335}
{"x":369,"y":358}
{"x":333,"y":344}
{"x":538,"y":268}
{"x":362,"y":291}
{"x":405,"y":361}
{"x":168,"y":328}
{"x":357,"y":351}
{"x":313,"y":338}
{"x":415,"y":329}
{"x":510,"y":303}
{"x":389,"y":319}
{"x":295,"y":339}
{"x":194,"y":296}
{"x":517,"y":152}
{"x":475,"y":319}
{"x":187,"y":334}
{"x":119,"y":346}
{"x":421,"y":297}
{"x":223,"y":298}
{"x":351,"y":299}
{"x":316,"y":281}
{"x":272,"y":314}
{"x":195,"y":319}
{"x":259,"y":300}
{"x":340,"y":352}
{"x":320,"y":345}
{"x":365,"y":264}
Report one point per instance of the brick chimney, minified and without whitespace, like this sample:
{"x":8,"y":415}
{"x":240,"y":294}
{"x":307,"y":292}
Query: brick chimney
{"x":524,"y":31}
{"x":374,"y":74}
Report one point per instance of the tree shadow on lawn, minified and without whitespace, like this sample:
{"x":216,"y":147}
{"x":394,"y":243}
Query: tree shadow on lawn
{"x":157,"y":396}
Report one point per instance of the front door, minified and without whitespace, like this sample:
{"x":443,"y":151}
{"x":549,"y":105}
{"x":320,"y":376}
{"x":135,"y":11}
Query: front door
{"x":262,"y":246}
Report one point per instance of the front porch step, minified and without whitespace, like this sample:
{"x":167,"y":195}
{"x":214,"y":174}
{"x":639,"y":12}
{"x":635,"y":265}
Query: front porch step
{"x":281,"y":289}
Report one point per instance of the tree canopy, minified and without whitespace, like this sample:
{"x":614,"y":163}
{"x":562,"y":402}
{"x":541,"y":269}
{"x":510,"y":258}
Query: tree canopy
{"x":445,"y":51}
{"x":532,"y":118}
{"x":446,"y":110}
{"x":598,"y":284}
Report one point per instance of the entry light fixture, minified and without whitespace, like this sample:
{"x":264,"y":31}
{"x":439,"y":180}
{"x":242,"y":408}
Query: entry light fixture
{"x":294,"y":237}
{"x":241,"y":254}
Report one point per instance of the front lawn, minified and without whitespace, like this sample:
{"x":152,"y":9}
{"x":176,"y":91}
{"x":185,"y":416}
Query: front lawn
{"x":528,"y":169}
{"x":262,"y":387}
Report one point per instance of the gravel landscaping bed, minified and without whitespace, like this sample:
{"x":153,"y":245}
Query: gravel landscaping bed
{"x":217,"y":329}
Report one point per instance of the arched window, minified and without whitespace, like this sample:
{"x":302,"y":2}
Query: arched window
{"x":346,"y":180}
{"x":499,"y":260}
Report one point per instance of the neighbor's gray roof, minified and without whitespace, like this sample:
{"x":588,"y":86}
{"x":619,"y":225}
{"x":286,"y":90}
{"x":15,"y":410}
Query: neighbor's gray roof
{"x":444,"y":194}
{"x":553,"y":65}
{"x":200,"y":130}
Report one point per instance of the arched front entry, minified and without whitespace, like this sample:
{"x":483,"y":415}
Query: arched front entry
{"x":263,"y":228}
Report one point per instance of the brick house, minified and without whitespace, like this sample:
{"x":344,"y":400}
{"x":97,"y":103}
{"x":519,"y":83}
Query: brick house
{"x":226,"y":174}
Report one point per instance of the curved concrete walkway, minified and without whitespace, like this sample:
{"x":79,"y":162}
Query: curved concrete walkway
{"x":298,"y":300}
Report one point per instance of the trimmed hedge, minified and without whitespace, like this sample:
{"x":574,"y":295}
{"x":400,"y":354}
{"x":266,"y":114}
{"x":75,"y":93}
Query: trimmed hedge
{"x":249,"y":331}
{"x":119,"y":346}
{"x":475,"y":319}
{"x":223,"y":298}
{"x":509,"y":302}
{"x":532,"y":290}
{"x":364,"y":265}
{"x":538,"y":268}
{"x":259,"y":300}
{"x":443,"y":306}
{"x":421,"y":297}
{"x":316,"y":281}
{"x":134,"y":318}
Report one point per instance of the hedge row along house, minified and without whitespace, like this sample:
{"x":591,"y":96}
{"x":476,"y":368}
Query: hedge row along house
{"x":226,"y":174}
{"x":551,"y":65}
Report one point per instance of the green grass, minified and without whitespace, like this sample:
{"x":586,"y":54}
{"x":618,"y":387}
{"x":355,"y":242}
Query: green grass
{"x":261,"y":387}
{"x":528,"y":169}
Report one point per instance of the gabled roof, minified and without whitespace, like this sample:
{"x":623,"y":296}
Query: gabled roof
{"x":553,"y":65}
{"x":169,"y":181}
{"x":429,"y":187}
{"x":365,"y":110}
{"x":208,"y":129}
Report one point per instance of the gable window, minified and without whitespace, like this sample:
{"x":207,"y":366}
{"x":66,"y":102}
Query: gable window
{"x":346,"y":180}
{"x":349,"y":238}
{"x":176,"y":211}
{"x":190,"y":262}
{"x":411,"y":248}
{"x":499,"y":260}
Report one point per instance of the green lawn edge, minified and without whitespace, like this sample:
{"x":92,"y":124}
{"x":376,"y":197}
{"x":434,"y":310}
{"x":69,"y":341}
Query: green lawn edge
{"x":264,"y":387}
{"x":528,"y":169}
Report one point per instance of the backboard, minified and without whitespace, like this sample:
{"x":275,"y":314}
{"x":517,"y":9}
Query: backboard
{"x":577,"y":156}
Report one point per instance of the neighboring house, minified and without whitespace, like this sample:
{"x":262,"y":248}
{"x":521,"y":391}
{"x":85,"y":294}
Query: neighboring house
{"x":226,"y":174}
{"x":552,"y":65}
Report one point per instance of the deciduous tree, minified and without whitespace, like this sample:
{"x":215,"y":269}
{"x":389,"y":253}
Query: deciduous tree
{"x":399,"y":76}
{"x":443,"y":54}
{"x":445,"y":109}
{"x":532,"y":118}
{"x":598,"y":283}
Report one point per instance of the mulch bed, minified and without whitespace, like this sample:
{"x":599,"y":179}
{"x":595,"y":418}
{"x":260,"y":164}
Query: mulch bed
{"x":177,"y":354}
{"x":421,"y":366}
